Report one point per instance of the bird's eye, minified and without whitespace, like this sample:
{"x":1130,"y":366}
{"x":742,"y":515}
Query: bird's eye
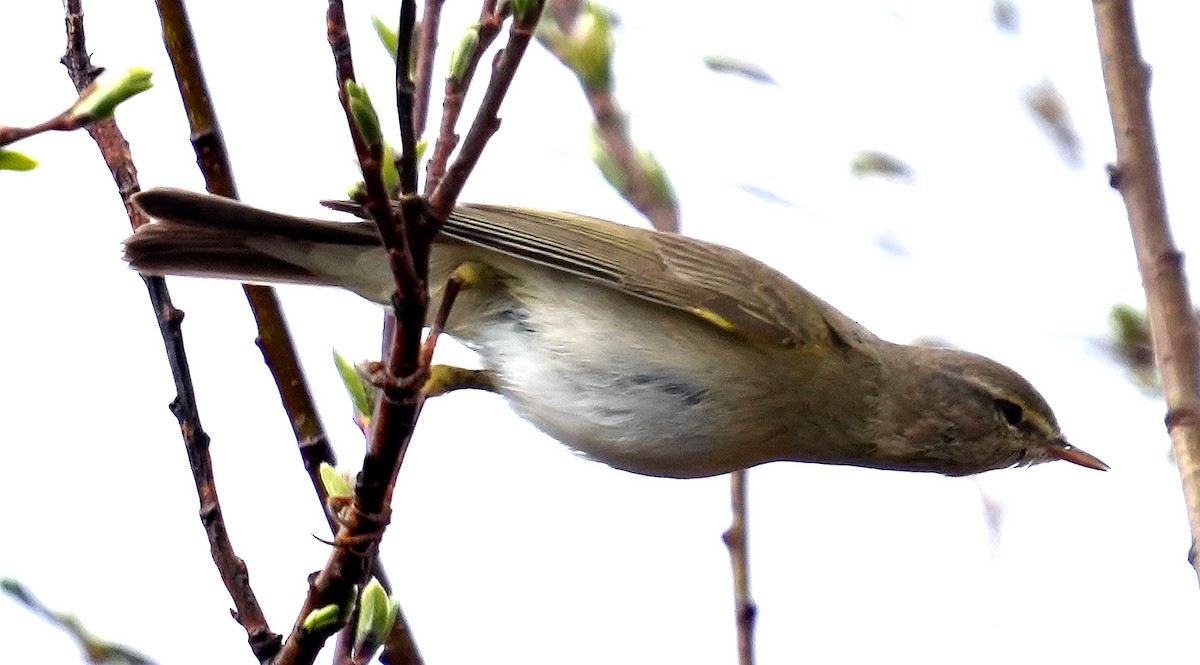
{"x":1013,"y":413}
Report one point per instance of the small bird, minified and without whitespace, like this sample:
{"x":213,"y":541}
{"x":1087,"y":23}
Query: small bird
{"x":653,"y":353}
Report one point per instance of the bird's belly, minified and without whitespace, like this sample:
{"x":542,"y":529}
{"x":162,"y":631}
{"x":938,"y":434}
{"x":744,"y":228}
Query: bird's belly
{"x":607,"y":386}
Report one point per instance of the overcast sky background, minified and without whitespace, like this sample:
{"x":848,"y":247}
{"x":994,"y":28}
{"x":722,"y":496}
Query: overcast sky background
{"x":504,"y":545}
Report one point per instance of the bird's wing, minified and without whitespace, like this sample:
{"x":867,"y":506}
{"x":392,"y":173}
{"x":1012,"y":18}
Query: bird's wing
{"x":720,"y":285}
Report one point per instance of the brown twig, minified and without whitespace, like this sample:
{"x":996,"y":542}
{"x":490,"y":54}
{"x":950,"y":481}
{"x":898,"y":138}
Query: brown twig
{"x":453,"y":98}
{"x":613,"y":130}
{"x":407,"y":232}
{"x":343,"y":646}
{"x":735,"y":537}
{"x":62,"y":122}
{"x":1136,"y":175}
{"x":663,"y":214}
{"x":487,"y":120}
{"x":426,"y":48}
{"x":263,"y":641}
{"x":396,"y":410}
{"x":116,"y":154}
{"x":83,"y":74}
{"x":274,"y":338}
{"x":406,"y":100}
{"x":96,"y":650}
{"x":400,"y":648}
{"x":423,"y":77}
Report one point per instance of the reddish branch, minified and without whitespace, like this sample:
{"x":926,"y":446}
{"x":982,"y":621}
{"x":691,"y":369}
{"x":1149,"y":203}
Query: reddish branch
{"x":356,"y":543}
{"x":274,"y":338}
{"x":663,"y":215}
{"x":1137,"y":177}
{"x":63,"y":122}
{"x":407,"y":232}
{"x":454,"y":96}
{"x":613,"y":130}
{"x":116,"y":154}
{"x":426,"y":48}
{"x":83,"y":73}
{"x":487,"y":119}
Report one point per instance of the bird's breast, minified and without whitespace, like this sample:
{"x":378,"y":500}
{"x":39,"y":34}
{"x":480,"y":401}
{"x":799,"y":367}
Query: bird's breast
{"x":647,"y":388}
{"x":629,"y":383}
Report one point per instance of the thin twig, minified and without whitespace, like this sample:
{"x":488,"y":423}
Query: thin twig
{"x":83,"y":74}
{"x":116,"y":153}
{"x":274,"y":338}
{"x":407,"y":233}
{"x":96,"y":650}
{"x":487,"y":120}
{"x":393,"y":227}
{"x":613,"y":130}
{"x":736,"y":540}
{"x":454,"y":96}
{"x":405,"y":99}
{"x":1169,"y":307}
{"x":343,"y":646}
{"x":663,"y":214}
{"x":62,"y":122}
{"x":612,"y":127}
{"x":400,"y":648}
{"x":401,"y":377}
{"x":423,"y":76}
{"x":431,"y":18}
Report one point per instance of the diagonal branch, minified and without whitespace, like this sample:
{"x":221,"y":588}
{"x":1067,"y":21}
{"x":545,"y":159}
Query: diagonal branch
{"x":1137,"y":177}
{"x":587,"y":52}
{"x":487,"y":120}
{"x":407,"y":232}
{"x":426,"y":48}
{"x":401,"y":377}
{"x":116,"y":154}
{"x":642,"y":191}
{"x":455,"y":95}
{"x":95,"y":649}
{"x":274,"y":337}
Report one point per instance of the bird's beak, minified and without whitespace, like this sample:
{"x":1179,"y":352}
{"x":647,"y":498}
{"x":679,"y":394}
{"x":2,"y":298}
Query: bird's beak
{"x":1060,"y":449}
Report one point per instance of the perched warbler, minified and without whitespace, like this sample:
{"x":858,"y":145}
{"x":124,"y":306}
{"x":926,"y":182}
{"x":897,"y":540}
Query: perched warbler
{"x":651,"y":352}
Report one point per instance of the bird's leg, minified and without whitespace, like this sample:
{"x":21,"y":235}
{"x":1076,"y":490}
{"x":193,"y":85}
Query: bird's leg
{"x":447,"y":378}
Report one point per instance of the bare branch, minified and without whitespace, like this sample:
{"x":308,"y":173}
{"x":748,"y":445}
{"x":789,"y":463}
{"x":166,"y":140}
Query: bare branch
{"x":629,"y":170}
{"x":213,"y":161}
{"x":1136,"y":175}
{"x":405,"y":99}
{"x":96,"y":650}
{"x":116,"y":154}
{"x":735,"y":537}
{"x":487,"y":120}
{"x":402,"y":376}
{"x":426,"y":48}
{"x":453,"y":98}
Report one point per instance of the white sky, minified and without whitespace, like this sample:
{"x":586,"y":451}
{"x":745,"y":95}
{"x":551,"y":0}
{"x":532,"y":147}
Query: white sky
{"x":505,"y":546}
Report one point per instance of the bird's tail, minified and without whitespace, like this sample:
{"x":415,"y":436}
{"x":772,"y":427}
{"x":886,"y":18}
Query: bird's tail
{"x":199,"y":235}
